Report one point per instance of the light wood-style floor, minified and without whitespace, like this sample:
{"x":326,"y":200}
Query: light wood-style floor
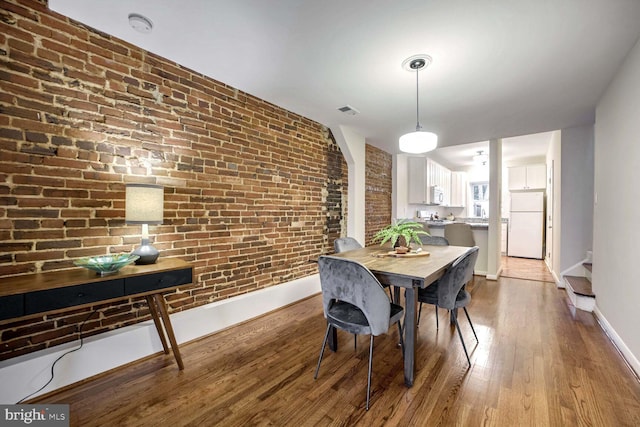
{"x":524,"y":268}
{"x":539,"y":363}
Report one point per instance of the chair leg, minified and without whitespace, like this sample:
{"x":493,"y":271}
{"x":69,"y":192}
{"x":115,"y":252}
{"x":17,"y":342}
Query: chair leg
{"x":369,"y":375}
{"x":455,"y":318}
{"x":355,"y":342}
{"x":437,"y":321}
{"x":419,"y":314}
{"x":471,"y":323}
{"x":324,"y":343}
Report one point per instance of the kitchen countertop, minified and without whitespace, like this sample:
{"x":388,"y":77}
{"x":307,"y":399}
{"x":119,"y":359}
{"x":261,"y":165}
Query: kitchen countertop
{"x":441,"y":224}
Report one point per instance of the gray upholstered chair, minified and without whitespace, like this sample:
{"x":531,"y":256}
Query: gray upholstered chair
{"x":434,"y":240}
{"x":354,"y":301}
{"x":459,"y":234}
{"x":343,"y":244}
{"x":448,"y":291}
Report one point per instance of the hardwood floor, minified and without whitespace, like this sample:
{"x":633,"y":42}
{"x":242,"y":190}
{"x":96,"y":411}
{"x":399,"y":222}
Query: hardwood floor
{"x":538,"y":363}
{"x":524,"y":268}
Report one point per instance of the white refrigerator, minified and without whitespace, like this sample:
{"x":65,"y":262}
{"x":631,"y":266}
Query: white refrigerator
{"x":526,"y":225}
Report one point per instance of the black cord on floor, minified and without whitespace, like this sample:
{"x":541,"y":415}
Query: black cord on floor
{"x":61,"y":356}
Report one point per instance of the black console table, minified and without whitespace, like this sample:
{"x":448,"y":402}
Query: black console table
{"x":33,"y":295}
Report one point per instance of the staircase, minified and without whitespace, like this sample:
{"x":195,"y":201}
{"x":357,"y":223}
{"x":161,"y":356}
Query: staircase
{"x":578,"y":286}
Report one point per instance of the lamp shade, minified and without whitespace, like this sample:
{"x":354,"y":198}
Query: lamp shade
{"x":144,"y":204}
{"x":418,"y":142}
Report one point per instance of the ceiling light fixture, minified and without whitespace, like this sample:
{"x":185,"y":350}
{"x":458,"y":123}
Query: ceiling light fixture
{"x":419,"y":141}
{"x":481,"y":158}
{"x":140,"y":23}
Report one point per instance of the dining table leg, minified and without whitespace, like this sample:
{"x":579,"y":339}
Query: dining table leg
{"x":411,"y":305}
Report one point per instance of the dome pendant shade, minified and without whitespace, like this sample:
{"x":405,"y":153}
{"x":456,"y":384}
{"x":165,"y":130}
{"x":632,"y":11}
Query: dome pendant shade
{"x":418,"y":142}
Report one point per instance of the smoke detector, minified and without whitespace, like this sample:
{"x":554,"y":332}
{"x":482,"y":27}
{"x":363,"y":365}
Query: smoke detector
{"x":140,"y":23}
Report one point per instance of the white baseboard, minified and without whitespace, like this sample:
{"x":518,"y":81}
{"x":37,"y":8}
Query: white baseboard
{"x":109,"y":350}
{"x":629,"y":357}
{"x":559,"y":283}
{"x":495,"y":276}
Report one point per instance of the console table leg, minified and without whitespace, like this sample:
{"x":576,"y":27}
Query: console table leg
{"x":162,"y":308}
{"x":153,"y":309}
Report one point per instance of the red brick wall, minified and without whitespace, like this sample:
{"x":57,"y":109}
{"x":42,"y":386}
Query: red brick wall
{"x":378,"y":191}
{"x":252,"y":191}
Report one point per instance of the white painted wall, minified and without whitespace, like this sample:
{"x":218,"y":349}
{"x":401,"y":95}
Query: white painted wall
{"x":577,"y":195}
{"x":617,"y":204}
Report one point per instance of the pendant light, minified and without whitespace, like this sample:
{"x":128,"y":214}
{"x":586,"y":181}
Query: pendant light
{"x":419,"y":141}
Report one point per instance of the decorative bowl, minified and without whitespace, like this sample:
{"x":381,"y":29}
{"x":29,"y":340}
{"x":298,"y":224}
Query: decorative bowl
{"x":106,"y":264}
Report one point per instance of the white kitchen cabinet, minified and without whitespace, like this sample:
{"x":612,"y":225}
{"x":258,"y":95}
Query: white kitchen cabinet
{"x":423,"y":174}
{"x":537,"y":176}
{"x":417,"y":186}
{"x":458,"y":189}
{"x":440,"y":176}
{"x":529,"y":177}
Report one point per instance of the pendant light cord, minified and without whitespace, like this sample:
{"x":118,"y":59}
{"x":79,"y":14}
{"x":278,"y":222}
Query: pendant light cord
{"x":418,"y":127}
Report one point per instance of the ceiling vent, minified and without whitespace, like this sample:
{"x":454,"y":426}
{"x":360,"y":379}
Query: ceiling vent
{"x":347,"y":109}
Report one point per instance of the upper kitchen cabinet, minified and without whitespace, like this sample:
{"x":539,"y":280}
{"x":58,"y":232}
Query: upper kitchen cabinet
{"x":441,"y":177}
{"x":417,"y":187}
{"x":424,"y":174}
{"x":458,"y":189}
{"x":529,"y":177}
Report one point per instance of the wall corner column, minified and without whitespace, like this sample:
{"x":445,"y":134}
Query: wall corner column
{"x":494,"y":257}
{"x":353,"y":146}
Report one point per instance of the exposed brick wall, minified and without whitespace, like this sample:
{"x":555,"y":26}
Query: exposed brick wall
{"x":378,"y":179}
{"x":252,"y":191}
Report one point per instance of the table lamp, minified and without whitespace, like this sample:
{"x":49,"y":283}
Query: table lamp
{"x":144,"y":204}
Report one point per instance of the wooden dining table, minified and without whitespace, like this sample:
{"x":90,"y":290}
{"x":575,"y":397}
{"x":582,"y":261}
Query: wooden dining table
{"x":411,"y":273}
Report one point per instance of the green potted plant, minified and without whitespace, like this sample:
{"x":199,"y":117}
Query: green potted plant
{"x":401,"y":234}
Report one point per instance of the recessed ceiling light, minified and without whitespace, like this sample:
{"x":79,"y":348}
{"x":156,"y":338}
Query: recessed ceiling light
{"x":140,"y":23}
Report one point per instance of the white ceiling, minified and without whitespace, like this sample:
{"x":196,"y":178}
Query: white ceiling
{"x":515,"y":150}
{"x":501,"y":68}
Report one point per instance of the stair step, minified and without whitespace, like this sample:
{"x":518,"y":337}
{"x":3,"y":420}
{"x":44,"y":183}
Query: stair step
{"x":580,"y":286}
{"x":587,"y":265}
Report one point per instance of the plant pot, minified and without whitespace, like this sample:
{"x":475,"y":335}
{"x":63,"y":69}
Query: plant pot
{"x":401,"y":242}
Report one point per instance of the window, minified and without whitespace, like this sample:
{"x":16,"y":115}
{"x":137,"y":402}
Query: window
{"x":479,"y":199}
